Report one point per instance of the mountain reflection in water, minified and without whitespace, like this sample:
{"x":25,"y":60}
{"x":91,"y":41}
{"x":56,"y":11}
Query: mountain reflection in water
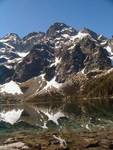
{"x":44,"y":116}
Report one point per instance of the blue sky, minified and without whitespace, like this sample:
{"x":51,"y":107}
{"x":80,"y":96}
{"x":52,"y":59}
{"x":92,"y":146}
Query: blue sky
{"x":24,"y":16}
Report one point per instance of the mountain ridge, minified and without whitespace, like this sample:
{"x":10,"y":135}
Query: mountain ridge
{"x":53,"y":58}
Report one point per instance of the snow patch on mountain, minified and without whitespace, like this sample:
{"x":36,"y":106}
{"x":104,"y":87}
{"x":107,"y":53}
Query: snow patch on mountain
{"x":6,"y":44}
{"x":3,"y":56}
{"x":83,"y":71}
{"x":103,"y":42}
{"x":10,"y":88}
{"x":72,"y":47}
{"x":8,"y":66}
{"x":22,"y":54}
{"x":49,"y":85}
{"x":57,"y":61}
{"x":109,"y":50}
{"x":4,"y":40}
{"x":65,"y":35}
{"x":42,"y":76}
{"x":67,"y":29}
{"x":52,"y":83}
{"x":14,"y":60}
{"x":80,"y":36}
{"x":100,"y":36}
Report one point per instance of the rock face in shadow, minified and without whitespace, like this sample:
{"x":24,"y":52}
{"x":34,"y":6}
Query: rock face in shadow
{"x":34,"y":63}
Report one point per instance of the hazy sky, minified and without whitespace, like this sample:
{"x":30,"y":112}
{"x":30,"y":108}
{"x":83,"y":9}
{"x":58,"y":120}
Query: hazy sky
{"x":24,"y":16}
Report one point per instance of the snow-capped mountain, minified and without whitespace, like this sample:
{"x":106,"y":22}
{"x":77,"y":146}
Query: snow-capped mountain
{"x":42,"y":61}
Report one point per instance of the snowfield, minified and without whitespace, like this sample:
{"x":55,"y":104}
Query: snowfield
{"x":10,"y":88}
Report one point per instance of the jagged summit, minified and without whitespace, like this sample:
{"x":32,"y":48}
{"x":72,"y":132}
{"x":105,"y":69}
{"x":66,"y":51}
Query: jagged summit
{"x":60,"y":28}
{"x":11,"y":37}
{"x":33,"y":34}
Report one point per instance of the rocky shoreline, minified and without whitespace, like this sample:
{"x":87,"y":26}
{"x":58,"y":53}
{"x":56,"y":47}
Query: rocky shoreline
{"x":68,"y":140}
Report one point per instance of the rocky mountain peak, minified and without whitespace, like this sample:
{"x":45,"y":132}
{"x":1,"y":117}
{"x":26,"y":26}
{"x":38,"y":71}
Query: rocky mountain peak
{"x":11,"y":37}
{"x":60,"y":28}
{"x":33,"y":35}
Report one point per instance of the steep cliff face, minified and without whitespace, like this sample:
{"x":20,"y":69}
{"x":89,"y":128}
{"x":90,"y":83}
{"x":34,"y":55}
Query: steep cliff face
{"x":34,"y":63}
{"x":55,"y":57}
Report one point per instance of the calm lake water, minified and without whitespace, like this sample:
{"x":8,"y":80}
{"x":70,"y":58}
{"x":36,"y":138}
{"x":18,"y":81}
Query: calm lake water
{"x":46,"y":116}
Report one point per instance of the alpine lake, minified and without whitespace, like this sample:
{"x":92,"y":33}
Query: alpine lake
{"x":55,"y":126}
